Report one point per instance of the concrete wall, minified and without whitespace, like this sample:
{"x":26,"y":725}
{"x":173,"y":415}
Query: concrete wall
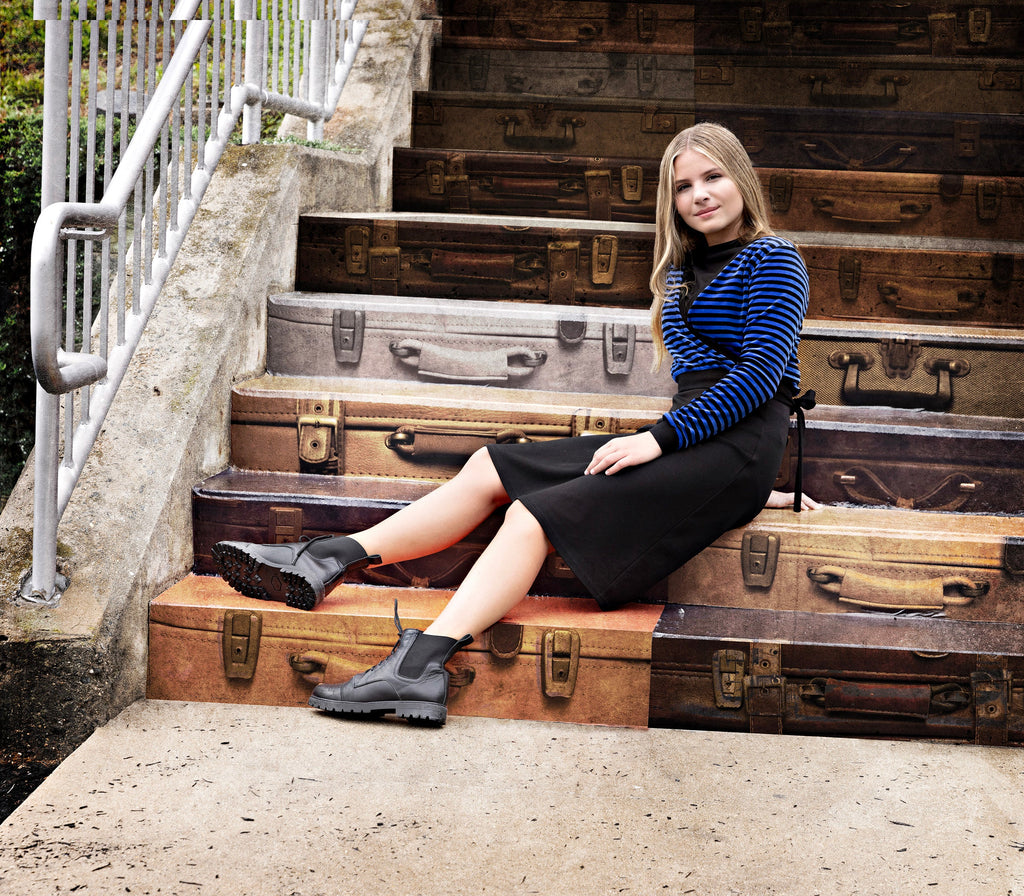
{"x":127,"y":532}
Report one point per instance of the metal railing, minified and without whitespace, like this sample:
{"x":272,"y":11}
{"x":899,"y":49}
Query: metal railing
{"x":170,"y":86}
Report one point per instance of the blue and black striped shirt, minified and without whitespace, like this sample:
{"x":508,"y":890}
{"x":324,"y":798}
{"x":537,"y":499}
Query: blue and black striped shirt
{"x":754,"y":310}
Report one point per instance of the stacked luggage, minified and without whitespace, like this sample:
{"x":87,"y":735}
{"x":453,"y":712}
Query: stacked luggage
{"x":505,"y":299}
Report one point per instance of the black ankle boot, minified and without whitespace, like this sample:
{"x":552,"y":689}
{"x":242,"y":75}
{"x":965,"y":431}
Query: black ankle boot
{"x":411,"y":682}
{"x":297,"y":573}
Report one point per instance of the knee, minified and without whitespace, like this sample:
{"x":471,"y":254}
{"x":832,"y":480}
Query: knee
{"x":519,"y":520}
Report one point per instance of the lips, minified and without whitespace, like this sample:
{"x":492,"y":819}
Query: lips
{"x":706,"y":212}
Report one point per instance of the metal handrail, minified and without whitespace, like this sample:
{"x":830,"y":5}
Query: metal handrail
{"x":161,"y":206}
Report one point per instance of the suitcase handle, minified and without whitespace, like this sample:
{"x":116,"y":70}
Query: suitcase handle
{"x":876,"y":593}
{"x":890,"y":157}
{"x":878,"y":213}
{"x":943,"y":369}
{"x":854,"y":99}
{"x":450,"y":364}
{"x":928,"y":301}
{"x":535,"y":143}
{"x":528,"y":32}
{"x":916,"y":701}
{"x":459,"y":439}
{"x":951,"y":494}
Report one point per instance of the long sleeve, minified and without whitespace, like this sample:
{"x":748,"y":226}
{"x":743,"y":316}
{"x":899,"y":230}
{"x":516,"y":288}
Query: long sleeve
{"x":754,"y":309}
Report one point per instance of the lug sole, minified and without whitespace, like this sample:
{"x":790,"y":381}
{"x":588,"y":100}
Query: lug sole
{"x":414,"y":710}
{"x":261,"y":581}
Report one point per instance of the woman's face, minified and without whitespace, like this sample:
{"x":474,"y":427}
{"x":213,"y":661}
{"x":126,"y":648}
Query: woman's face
{"x":706,"y":198}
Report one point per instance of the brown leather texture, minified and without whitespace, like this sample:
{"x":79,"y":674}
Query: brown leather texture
{"x":805,"y":673}
{"x":554,"y":659}
{"x":884,"y":561}
{"x":406,"y":430}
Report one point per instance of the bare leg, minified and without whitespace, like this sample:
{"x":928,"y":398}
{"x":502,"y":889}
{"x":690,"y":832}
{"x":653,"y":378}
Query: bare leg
{"x":499,"y":579}
{"x":440,"y":518}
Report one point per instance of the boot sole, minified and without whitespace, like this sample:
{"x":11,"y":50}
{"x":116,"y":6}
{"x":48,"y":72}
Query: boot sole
{"x":414,"y":710}
{"x":261,"y":581}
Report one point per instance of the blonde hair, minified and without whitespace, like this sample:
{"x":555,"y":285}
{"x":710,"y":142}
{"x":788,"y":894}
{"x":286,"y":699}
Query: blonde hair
{"x":672,"y":238}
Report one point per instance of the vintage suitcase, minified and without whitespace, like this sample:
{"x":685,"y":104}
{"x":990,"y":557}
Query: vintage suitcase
{"x":938,"y":205}
{"x":271,"y":508}
{"x":943,"y":28}
{"x":508,"y":183}
{"x":853,"y":140}
{"x":407,"y":430}
{"x":970,"y":371}
{"x":843,"y":559}
{"x":508,"y":122}
{"x":476,"y":257}
{"x":558,"y":348}
{"x":956,"y":281}
{"x":553,"y":659}
{"x":779,"y":672}
{"x":558,"y":73}
{"x":596,"y":26}
{"x":960,"y":86}
{"x":887,"y":457}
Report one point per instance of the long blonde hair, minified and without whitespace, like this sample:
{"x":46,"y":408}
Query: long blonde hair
{"x":672,"y":238}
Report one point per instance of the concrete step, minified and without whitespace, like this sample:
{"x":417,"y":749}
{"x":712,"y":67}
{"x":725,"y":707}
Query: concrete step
{"x":192,"y":798}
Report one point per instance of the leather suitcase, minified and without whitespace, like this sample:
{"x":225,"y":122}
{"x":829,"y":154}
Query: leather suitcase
{"x":944,"y":28}
{"x":507,"y":122}
{"x":895,"y":458}
{"x":557,"y":348}
{"x":631,"y":75}
{"x":936,"y":205}
{"x":271,"y":508}
{"x":960,"y":86}
{"x":970,"y":371}
{"x":779,"y":672}
{"x":508,"y":183}
{"x":843,"y":559}
{"x":476,"y":257}
{"x":407,"y":430}
{"x":552,"y":659}
{"x":593,"y":25}
{"x":867,"y":277}
{"x":878,"y":140}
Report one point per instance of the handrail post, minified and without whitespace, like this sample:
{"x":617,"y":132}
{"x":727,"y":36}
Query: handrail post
{"x":255,"y":54}
{"x":41,"y":585}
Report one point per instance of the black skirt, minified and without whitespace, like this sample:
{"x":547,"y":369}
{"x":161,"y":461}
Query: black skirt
{"x":623,"y":533}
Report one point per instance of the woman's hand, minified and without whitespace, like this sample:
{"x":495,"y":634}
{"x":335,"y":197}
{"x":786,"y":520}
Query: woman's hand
{"x":778,"y":500}
{"x":622,"y":452}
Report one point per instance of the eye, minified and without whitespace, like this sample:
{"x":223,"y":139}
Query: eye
{"x":681,"y":187}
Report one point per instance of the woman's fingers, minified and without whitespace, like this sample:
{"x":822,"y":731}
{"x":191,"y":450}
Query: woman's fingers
{"x":625,"y":451}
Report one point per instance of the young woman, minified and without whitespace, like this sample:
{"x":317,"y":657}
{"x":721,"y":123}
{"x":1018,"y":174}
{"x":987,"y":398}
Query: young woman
{"x":623,"y":511}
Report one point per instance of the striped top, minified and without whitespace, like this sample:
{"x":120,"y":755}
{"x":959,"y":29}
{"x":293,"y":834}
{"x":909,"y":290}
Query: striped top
{"x":753,"y":309}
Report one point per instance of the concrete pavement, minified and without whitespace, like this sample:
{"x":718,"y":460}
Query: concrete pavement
{"x":180,"y":798}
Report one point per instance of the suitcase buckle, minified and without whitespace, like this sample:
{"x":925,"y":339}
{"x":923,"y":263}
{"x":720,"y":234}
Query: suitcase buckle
{"x":561,"y":662}
{"x":619,"y":347}
{"x":759,"y":556}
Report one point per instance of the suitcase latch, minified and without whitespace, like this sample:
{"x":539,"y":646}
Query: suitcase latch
{"x":780,"y":192}
{"x":979,"y":25}
{"x":646,"y":74}
{"x":654,"y":122}
{"x":242,"y":630}
{"x":348,"y":326}
{"x":728,"y":668}
{"x":646,"y":23}
{"x":899,"y":356}
{"x":318,"y":436}
{"x":849,"y":278}
{"x":988,"y":201}
{"x":751,"y":20}
{"x":357,"y":249}
{"x":759,"y":556}
{"x":764,"y":690}
{"x":632,"y":183}
{"x":435,"y":177}
{"x":604,"y":253}
{"x":561,"y":662}
{"x":619,"y":347}
{"x":966,"y":138}
{"x":479,"y":66}
{"x":991,"y":686}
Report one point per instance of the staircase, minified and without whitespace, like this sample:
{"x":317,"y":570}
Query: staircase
{"x":505,"y":297}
